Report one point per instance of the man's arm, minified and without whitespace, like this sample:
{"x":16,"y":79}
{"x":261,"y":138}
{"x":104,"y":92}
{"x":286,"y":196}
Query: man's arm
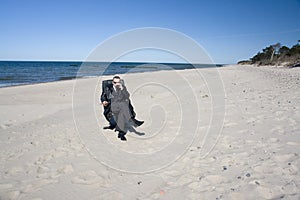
{"x":104,"y":98}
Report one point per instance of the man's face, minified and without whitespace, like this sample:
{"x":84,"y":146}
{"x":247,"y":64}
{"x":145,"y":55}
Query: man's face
{"x":116,"y":82}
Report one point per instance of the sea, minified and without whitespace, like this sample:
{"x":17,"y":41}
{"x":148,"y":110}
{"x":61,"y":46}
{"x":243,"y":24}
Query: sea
{"x":14,"y":73}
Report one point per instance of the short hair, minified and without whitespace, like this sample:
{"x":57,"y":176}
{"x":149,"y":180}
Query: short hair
{"x":117,"y":77}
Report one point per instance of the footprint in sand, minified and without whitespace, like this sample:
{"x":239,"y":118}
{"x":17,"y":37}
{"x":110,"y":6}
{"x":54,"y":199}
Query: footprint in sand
{"x":215,"y":179}
{"x":14,"y":171}
{"x":5,"y":186}
{"x":67,"y":169}
{"x":273,"y":192}
{"x":37,"y":184}
{"x":12,"y":195}
{"x":5,"y":126}
{"x":201,"y":186}
{"x":293,"y":143}
{"x":263,"y":169}
{"x":284,"y":158}
{"x":89,"y":178}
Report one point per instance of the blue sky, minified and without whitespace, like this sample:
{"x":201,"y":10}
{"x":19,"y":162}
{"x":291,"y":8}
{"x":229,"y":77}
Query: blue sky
{"x":229,"y":30}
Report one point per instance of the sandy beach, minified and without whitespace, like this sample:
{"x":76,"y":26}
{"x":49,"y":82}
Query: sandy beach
{"x":53,"y":145}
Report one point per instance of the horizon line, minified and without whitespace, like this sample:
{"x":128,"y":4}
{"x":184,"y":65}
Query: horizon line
{"x":150,"y":62}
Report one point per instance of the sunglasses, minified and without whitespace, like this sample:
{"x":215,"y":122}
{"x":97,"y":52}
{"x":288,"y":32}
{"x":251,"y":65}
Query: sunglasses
{"x":115,"y":82}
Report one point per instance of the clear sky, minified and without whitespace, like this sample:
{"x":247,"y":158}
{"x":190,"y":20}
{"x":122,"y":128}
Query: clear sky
{"x":229,"y":30}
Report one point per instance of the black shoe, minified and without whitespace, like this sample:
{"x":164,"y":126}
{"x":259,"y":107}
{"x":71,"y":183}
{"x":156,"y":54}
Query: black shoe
{"x":123,"y":138}
{"x":121,"y":135}
{"x":108,"y":127}
{"x":136,"y":122}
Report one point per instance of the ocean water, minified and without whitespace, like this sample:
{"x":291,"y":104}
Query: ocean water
{"x":14,"y":73}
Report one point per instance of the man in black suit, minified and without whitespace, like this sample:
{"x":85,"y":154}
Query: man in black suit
{"x":117,"y":107}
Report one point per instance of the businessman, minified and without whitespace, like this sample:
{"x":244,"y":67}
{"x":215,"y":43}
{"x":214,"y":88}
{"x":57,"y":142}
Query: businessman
{"x":117,"y":107}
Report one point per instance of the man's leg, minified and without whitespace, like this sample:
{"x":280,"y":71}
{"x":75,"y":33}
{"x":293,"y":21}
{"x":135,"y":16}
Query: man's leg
{"x":120,"y":126}
{"x":122,"y":119}
{"x":112,"y":124}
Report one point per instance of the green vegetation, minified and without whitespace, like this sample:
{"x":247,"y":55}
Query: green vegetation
{"x":276,"y":54}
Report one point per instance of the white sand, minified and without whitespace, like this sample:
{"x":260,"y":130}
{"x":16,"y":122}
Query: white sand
{"x":45,"y":156}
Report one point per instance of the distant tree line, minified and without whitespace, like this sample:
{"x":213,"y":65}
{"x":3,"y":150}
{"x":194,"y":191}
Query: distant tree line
{"x":276,"y":54}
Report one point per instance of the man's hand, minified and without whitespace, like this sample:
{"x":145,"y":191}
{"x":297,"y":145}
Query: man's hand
{"x":105,"y":103}
{"x":119,"y":86}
